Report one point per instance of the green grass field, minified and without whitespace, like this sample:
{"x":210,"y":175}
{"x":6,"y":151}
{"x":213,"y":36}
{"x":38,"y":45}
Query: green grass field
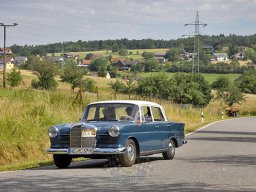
{"x":208,"y":76}
{"x":135,"y":53}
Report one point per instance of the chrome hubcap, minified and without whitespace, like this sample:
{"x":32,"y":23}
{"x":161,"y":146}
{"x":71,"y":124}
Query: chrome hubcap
{"x":171,"y":148}
{"x":130,"y":152}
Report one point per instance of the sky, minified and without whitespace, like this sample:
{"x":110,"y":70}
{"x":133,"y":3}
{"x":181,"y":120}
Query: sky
{"x":43,"y":22}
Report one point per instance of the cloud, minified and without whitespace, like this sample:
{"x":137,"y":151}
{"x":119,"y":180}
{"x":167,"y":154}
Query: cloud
{"x":45,"y":21}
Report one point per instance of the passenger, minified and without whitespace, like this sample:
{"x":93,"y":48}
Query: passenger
{"x":109,"y":113}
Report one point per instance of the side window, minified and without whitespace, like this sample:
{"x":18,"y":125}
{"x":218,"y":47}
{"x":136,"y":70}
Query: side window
{"x":147,"y":113}
{"x":157,"y":114}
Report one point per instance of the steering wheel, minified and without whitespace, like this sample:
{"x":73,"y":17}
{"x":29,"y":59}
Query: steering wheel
{"x":127,"y":118}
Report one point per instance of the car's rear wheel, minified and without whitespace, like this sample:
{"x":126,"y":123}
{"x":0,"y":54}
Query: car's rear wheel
{"x":170,"y":153}
{"x":62,"y":161}
{"x":129,"y":157}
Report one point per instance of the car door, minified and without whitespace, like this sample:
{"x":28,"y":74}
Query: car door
{"x":160,"y":125}
{"x":146,"y":131}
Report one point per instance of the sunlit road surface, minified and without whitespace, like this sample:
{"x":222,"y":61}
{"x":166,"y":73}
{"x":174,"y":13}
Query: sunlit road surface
{"x":220,"y":157}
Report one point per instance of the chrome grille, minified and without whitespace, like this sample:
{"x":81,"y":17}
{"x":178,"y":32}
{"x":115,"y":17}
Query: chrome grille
{"x":77,"y":141}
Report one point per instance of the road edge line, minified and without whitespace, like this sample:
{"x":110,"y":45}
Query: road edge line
{"x":208,"y":126}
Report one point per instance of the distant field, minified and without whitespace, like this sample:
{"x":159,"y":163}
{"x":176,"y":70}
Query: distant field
{"x":209,"y":77}
{"x":135,"y":53}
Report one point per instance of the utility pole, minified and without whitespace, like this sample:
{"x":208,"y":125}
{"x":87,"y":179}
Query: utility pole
{"x":4,"y":66}
{"x":197,"y":24}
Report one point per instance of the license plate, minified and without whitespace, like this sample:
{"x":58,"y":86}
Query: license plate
{"x":80,"y":151}
{"x":88,"y":133}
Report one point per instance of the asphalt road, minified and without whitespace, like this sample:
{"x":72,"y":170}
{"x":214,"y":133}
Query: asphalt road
{"x":220,"y":157}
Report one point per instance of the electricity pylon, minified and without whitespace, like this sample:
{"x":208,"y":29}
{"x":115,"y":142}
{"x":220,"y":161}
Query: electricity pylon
{"x":197,"y":24}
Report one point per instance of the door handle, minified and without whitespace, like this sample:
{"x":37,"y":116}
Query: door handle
{"x":157,"y":126}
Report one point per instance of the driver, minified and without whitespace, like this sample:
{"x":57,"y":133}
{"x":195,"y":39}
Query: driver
{"x":129,"y":111}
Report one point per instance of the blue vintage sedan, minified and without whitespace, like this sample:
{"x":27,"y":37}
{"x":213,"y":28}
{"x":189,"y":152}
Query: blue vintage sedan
{"x":119,"y":129}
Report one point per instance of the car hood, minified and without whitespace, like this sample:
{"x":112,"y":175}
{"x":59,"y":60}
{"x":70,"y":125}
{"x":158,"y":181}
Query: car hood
{"x":102,"y":127}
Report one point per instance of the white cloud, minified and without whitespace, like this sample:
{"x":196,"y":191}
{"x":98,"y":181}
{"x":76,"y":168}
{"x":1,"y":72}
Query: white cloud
{"x":43,"y":21}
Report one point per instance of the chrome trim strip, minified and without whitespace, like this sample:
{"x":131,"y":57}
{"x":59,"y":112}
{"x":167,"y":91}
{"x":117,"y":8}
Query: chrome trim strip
{"x":99,"y":151}
{"x":152,"y":152}
{"x":57,"y":151}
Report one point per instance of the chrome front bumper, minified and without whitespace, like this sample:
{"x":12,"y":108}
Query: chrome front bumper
{"x":96,"y":151}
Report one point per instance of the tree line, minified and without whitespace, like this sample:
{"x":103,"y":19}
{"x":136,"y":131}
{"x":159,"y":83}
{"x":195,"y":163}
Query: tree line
{"x":216,"y":41}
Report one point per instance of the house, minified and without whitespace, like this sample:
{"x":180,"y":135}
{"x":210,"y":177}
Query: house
{"x":69,"y":56}
{"x":160,"y":57}
{"x":187,"y":56}
{"x":239,"y":56}
{"x":84,"y":63}
{"x":124,"y":65}
{"x":219,"y":57}
{"x":9,"y":63}
{"x":108,"y":75}
{"x":8,"y":51}
{"x":55,"y":59}
{"x":20,"y":60}
{"x":114,"y":60}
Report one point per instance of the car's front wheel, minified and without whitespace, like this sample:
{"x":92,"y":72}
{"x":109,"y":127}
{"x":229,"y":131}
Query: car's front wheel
{"x":62,"y":161}
{"x":170,"y":153}
{"x":129,"y":157}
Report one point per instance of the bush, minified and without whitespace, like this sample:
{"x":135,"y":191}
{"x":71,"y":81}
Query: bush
{"x":14,"y":78}
{"x":182,"y":88}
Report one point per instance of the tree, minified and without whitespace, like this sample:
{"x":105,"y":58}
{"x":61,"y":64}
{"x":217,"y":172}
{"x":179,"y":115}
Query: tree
{"x":95,"y":66}
{"x":232,"y":50}
{"x":147,"y":55}
{"x":190,"y":89}
{"x":14,"y":78}
{"x":45,"y":72}
{"x":230,"y":95}
{"x":102,"y":70}
{"x":154,"y":86}
{"x":151,"y":64}
{"x":251,"y":54}
{"x":88,"y":56}
{"x":72,"y":74}
{"x":129,"y":88}
{"x":247,"y":82}
{"x":122,"y":52}
{"x":115,"y":47}
{"x":221,"y":83}
{"x":173,"y":54}
{"x":117,"y":87}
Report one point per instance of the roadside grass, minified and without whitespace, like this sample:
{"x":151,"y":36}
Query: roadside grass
{"x":26,"y":115}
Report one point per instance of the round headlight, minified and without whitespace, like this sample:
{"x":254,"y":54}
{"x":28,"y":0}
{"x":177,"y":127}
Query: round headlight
{"x":53,"y":132}
{"x":113,"y":131}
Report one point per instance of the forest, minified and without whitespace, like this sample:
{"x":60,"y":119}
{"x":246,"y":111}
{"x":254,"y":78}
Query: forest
{"x":217,"y":42}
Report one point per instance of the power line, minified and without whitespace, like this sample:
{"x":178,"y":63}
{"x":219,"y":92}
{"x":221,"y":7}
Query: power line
{"x":197,"y":24}
{"x":4,"y":66}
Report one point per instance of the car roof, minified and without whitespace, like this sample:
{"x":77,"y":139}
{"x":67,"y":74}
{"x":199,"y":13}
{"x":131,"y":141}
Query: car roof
{"x":136,"y":102}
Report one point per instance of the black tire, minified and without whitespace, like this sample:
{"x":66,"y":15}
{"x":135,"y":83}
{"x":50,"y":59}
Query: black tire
{"x":170,"y":153}
{"x":62,"y":161}
{"x":129,"y":157}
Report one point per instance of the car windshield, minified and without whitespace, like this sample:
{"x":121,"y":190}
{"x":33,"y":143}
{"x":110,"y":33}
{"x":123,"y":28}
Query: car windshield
{"x":112,"y":112}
